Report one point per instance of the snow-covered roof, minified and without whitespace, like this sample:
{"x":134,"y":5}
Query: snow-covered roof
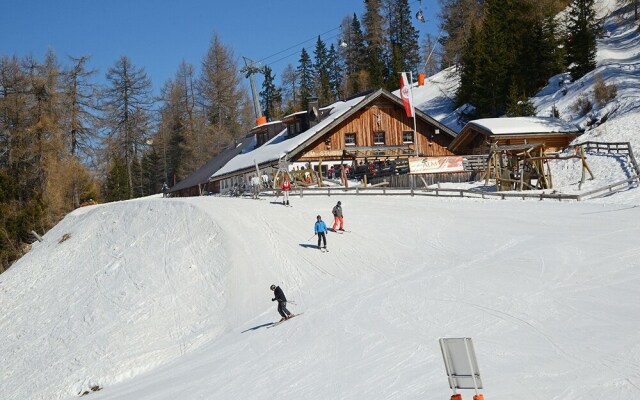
{"x":202,"y":174}
{"x":267,"y":123}
{"x":294,"y":114}
{"x":280,"y":145}
{"x":523,"y":125}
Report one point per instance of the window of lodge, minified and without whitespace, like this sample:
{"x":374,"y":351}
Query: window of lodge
{"x":378,"y":137}
{"x":407,"y":136}
{"x":350,"y":139}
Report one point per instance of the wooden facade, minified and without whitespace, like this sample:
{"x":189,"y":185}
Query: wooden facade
{"x":381,"y":123}
{"x":377,"y":124}
{"x":475,"y":139}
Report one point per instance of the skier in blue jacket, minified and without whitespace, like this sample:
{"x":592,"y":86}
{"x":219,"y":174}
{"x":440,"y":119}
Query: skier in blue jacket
{"x":320,"y":229}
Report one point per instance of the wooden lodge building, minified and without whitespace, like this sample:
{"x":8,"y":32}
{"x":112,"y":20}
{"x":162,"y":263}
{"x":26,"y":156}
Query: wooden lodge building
{"x":479,"y":135}
{"x":365,"y":128}
{"x":368,"y":127}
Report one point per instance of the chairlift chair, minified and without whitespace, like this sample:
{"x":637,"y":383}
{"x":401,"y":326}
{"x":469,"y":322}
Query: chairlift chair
{"x":419,"y":14}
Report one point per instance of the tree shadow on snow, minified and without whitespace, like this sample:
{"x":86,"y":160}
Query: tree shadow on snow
{"x":257,"y":327}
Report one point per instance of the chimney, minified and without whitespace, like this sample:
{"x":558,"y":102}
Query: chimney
{"x":313,"y":111}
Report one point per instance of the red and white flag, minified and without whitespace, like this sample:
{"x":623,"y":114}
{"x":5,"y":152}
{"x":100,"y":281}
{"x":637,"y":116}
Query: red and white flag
{"x":406,"y":95}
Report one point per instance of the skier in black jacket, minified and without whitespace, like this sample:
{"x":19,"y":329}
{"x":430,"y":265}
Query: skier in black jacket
{"x":282,"y":302}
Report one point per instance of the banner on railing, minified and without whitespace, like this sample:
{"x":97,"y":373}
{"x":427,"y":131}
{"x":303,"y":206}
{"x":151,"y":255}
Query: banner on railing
{"x":436,"y":165}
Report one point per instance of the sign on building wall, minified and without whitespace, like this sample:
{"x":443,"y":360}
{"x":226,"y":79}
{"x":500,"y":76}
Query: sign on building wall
{"x":322,"y":154}
{"x":436,"y":165}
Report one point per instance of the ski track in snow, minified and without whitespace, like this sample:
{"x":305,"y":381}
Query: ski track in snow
{"x":374,"y":306}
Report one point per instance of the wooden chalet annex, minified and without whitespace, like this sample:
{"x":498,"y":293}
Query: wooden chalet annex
{"x":478,"y":136}
{"x":367,"y":127}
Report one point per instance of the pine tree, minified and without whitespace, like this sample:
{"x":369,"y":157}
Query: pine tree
{"x":127,"y":101}
{"x":305,"y":79}
{"x":289,"y":89}
{"x":458,"y":18}
{"x":582,"y":29}
{"x":497,"y":59}
{"x":335,"y":74}
{"x":81,"y":105}
{"x":375,"y":43}
{"x":354,"y":55}
{"x":221,"y":93}
{"x":152,"y":172}
{"x":403,"y":42}
{"x":82,"y":108}
{"x":171,"y":141}
{"x":271,"y":96}
{"x":321,"y":72}
{"x":519,"y":105}
{"x":514,"y":48}
{"x":117,"y":183}
{"x":470,"y":65}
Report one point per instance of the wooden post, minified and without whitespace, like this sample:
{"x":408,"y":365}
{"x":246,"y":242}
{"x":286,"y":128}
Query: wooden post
{"x":343,"y":176}
{"x":584,"y":162}
{"x":319,"y":174}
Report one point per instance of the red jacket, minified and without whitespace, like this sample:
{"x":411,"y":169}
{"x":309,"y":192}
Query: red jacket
{"x":286,"y":186}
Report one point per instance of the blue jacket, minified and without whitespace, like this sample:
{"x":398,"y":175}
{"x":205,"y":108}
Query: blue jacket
{"x":320,"y":226}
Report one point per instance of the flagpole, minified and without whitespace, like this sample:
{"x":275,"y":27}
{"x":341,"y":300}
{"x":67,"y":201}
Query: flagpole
{"x":413,"y":111}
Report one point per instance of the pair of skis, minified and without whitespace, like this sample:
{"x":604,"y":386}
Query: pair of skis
{"x":284,"y":320}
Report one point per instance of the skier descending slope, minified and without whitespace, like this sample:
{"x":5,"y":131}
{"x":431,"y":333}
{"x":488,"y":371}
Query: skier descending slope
{"x":282,"y":303}
{"x":337,"y":217}
{"x":320,"y":229}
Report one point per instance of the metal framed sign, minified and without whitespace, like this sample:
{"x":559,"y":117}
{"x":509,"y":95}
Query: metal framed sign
{"x":460,"y":363}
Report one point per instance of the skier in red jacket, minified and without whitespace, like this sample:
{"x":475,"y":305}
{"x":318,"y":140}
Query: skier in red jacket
{"x":286,"y":187}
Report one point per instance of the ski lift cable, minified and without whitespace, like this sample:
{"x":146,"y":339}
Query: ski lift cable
{"x":296,"y":52}
{"x":296,"y":45}
{"x":322,"y":34}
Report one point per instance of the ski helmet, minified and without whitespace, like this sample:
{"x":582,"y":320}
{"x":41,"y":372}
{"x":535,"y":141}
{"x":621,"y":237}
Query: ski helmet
{"x":273,"y":287}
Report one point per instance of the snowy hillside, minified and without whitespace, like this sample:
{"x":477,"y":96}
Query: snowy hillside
{"x":169,"y":299}
{"x":618,"y":63}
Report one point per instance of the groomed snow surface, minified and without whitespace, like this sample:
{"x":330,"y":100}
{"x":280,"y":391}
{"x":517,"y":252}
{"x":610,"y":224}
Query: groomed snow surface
{"x":169,"y":299}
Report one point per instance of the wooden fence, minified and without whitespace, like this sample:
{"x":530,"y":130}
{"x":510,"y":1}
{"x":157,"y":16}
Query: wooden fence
{"x":404,"y":181}
{"x":430,"y":192}
{"x":633,"y":182}
{"x":413,"y":185}
{"x":623,"y":148}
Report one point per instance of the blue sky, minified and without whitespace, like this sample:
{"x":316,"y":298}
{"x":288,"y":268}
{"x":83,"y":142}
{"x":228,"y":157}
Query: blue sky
{"x":158,"y":34}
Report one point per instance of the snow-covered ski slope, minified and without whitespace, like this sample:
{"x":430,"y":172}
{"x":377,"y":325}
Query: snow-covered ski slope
{"x":169,"y":299}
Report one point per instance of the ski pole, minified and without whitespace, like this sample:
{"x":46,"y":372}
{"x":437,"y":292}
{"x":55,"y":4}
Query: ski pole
{"x":311,"y":237}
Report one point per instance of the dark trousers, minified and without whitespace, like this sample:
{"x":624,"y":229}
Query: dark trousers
{"x":282,"y":309}
{"x":322,"y":237}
